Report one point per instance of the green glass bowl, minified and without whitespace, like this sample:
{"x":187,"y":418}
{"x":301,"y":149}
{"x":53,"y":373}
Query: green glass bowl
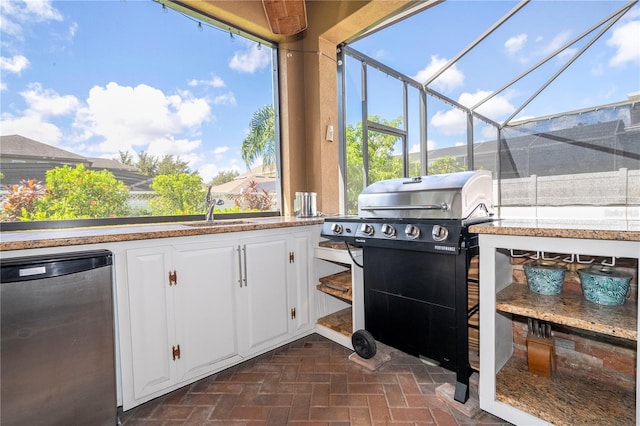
{"x":544,"y":278}
{"x":604,"y":286}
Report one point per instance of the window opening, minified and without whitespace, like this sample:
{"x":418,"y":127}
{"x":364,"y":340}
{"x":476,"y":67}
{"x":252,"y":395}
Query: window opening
{"x":139,"y":134}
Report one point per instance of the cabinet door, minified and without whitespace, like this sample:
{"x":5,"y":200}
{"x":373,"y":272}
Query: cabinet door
{"x":152,"y":318}
{"x":204,"y":304}
{"x":299,"y":297}
{"x":263,"y":312}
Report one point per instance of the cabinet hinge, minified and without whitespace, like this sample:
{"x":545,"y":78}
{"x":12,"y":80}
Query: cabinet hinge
{"x":293,"y":313}
{"x":173,"y":278}
{"x":292,"y":257}
{"x":175,"y":352}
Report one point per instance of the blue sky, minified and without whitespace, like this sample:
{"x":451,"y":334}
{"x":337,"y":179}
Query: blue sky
{"x":607,"y":72}
{"x":98,"y":77}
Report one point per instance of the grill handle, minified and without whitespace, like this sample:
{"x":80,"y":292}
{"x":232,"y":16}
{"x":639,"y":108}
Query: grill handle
{"x":443,"y":206}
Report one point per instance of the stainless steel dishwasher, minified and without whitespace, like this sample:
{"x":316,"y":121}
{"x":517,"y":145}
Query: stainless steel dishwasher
{"x":57,"y":352}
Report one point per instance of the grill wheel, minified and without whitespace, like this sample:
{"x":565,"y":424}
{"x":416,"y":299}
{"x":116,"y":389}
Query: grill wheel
{"x":364,"y":344}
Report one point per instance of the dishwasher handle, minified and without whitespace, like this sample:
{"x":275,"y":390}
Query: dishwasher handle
{"x":53,"y":265}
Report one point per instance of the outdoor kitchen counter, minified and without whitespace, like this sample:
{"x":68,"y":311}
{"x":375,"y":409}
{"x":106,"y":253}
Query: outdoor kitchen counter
{"x":563,"y":228}
{"x":20,"y":240}
{"x":507,"y":389}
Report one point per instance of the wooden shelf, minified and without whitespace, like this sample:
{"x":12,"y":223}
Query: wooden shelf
{"x":332,"y":245}
{"x":338,"y":285}
{"x":570,"y":309}
{"x":564,"y":398}
{"x":339,"y":321}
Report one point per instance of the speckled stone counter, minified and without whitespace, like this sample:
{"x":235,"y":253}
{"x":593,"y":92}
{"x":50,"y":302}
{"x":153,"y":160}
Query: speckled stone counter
{"x":563,"y":228}
{"x":20,"y":240}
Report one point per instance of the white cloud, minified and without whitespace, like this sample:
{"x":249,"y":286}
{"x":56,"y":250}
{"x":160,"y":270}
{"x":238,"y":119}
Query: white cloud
{"x":16,"y":64}
{"x":454,"y":121}
{"x":497,"y":106}
{"x":129,"y":118}
{"x":558,"y":41}
{"x":450,"y":122}
{"x":416,"y":147}
{"x":626,"y":42}
{"x":250,"y":59}
{"x":31,"y":126}
{"x":182,"y":148}
{"x":14,"y":13}
{"x":73,"y":28}
{"x":515,"y":43}
{"x":447,"y":81}
{"x":47,"y":103}
{"x":221,"y":150}
{"x":381,"y":55}
{"x":226,"y":99}
{"x":208,"y":171}
{"x":215,"y":81}
{"x":35,"y":121}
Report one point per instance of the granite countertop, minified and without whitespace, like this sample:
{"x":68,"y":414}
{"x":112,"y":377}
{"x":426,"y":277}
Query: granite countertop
{"x":621,"y":230}
{"x":20,"y":240}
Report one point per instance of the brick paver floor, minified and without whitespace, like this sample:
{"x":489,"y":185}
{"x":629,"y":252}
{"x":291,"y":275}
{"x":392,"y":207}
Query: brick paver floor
{"x":311,"y":382}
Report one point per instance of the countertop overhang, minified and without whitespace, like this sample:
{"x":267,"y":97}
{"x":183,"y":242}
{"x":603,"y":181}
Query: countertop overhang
{"x":601,"y":229}
{"x":20,"y":240}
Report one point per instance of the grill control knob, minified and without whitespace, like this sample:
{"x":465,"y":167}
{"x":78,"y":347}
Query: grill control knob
{"x":388,"y":231}
{"x":367,"y":229}
{"x":336,"y":228}
{"x":412,"y":232}
{"x":439,"y":233}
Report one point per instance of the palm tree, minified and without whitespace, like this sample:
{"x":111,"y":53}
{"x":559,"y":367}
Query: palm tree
{"x":261,"y":141}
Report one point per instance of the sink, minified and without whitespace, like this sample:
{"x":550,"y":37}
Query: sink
{"x":222,"y":222}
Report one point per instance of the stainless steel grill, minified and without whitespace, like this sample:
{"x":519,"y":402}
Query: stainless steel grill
{"x":416,"y":256}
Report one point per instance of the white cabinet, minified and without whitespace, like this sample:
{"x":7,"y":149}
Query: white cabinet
{"x":266,"y":311}
{"x":181,"y":312}
{"x":193,"y":308}
{"x":510,"y":392}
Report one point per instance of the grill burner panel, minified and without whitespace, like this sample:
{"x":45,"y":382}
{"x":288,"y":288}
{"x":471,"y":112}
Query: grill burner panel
{"x":432,"y":235}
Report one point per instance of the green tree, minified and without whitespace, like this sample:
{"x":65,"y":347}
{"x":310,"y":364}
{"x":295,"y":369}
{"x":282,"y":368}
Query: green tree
{"x":172,"y":166}
{"x":147,"y":164}
{"x":446,"y":164}
{"x":383,"y":164}
{"x":125,"y":158}
{"x":177,"y":194}
{"x":224,"y":176}
{"x":261,"y":141}
{"x":75,"y":193}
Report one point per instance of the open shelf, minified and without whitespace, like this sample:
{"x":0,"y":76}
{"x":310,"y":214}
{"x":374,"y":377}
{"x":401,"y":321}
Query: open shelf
{"x":338,"y":285}
{"x":340,"y":322}
{"x":564,"y":397}
{"x":570,"y":309}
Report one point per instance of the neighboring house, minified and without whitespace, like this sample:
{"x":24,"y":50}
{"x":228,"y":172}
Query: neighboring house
{"x":599,"y":147}
{"x":23,"y":158}
{"x":265,"y":179}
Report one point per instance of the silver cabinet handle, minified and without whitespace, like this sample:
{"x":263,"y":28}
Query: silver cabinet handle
{"x":239,"y":267}
{"x":244,"y":251}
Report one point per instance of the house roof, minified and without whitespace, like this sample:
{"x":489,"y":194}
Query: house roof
{"x":109,"y":163}
{"x":35,"y":158}
{"x":264,"y":178}
{"x":20,"y":147}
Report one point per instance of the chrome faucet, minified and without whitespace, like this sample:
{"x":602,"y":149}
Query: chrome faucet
{"x":211,"y":203}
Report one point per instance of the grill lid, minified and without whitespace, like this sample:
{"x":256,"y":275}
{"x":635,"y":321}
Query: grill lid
{"x":446,"y":196}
